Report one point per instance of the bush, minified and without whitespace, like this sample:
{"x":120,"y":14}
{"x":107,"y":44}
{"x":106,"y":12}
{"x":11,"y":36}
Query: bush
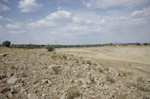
{"x":55,"y":69}
{"x":111,"y":80}
{"x":6,"y":43}
{"x":72,"y":94}
{"x":50,"y":48}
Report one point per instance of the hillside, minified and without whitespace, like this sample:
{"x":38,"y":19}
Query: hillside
{"x":74,"y":73}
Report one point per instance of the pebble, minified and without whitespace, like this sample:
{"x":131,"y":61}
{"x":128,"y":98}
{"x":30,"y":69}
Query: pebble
{"x":12,"y":80}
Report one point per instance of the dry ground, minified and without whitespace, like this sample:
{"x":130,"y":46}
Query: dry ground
{"x":130,"y":58}
{"x":75,"y":73}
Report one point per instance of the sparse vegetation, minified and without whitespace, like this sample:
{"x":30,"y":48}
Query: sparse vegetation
{"x":23,"y":75}
{"x":65,"y":57}
{"x":100,"y":70}
{"x":12,"y":67}
{"x":110,"y":79}
{"x":92,"y":79}
{"x":73,"y":93}
{"x":62,"y":74}
{"x":140,"y":79}
{"x":54,"y":57}
{"x":6,"y":43}
{"x":50,"y":48}
{"x":89,"y":62}
{"x":55,"y":69}
{"x":120,"y":96}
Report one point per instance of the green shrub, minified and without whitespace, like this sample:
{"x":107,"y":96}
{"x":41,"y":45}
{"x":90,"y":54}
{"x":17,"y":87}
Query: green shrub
{"x":100,"y":70}
{"x":108,"y":78}
{"x":23,"y":75}
{"x":72,"y":94}
{"x":6,"y":43}
{"x":140,"y":79}
{"x":64,"y":57}
{"x":12,"y":67}
{"x":54,"y":57}
{"x":50,"y":48}
{"x":89,"y":62}
{"x":55,"y":69}
{"x":92,"y":79}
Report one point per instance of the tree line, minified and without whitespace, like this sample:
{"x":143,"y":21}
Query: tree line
{"x":35,"y":46}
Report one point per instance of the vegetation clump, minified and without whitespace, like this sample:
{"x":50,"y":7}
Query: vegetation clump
{"x":111,"y":80}
{"x":140,"y":79}
{"x":92,"y":79}
{"x":73,"y":93}
{"x":50,"y":48}
{"x":100,"y":70}
{"x":55,"y":69}
{"x":89,"y":62}
{"x":6,"y":43}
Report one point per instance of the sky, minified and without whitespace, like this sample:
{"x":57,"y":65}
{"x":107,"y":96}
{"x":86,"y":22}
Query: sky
{"x":74,"y":21}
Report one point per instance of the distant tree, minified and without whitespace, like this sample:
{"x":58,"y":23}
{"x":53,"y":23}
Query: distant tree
{"x":50,"y":48}
{"x":6,"y":43}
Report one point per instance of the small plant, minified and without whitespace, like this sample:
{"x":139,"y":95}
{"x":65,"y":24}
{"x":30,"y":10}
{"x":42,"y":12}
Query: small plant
{"x":89,"y":62}
{"x":12,"y":67}
{"x":65,"y":57}
{"x":79,"y":74}
{"x":55,"y":69}
{"x":103,"y":83}
{"x":72,"y":81}
{"x":124,"y":74}
{"x":140,"y":79}
{"x":72,"y":94}
{"x":92,"y":79}
{"x":108,"y":78}
{"x":54,"y":57}
{"x":33,"y":63}
{"x":100,"y":70}
{"x":106,"y":69}
{"x":128,"y":85}
{"x":23,"y":75}
{"x":120,"y":96}
{"x":50,"y":48}
{"x":77,"y":61}
{"x":143,"y":88}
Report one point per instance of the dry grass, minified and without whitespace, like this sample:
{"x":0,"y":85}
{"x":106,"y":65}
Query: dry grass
{"x":133,"y":59}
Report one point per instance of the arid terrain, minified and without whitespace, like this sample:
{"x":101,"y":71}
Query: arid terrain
{"x":76,"y":73}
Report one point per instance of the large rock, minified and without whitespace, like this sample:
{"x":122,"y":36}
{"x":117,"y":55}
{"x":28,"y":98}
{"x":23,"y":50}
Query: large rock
{"x":4,"y":54}
{"x":12,"y":80}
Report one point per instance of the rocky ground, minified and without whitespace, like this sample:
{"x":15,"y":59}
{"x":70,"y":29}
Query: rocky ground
{"x":38,"y":74}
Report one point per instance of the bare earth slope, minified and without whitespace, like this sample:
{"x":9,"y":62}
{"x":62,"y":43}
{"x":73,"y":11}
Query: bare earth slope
{"x":85,"y":73}
{"x":132,"y":58}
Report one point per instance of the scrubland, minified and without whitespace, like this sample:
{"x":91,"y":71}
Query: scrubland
{"x":76,"y":73}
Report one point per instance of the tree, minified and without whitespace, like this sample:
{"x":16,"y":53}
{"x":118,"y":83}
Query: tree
{"x":6,"y":43}
{"x":50,"y":48}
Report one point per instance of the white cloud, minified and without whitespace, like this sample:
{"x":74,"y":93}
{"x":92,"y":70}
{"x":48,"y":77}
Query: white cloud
{"x":4,"y":8}
{"x":6,"y":19}
{"x":104,"y":4}
{"x":53,"y":19}
{"x":16,"y":31}
{"x":29,"y":5}
{"x":13,"y":26}
{"x":141,"y":13}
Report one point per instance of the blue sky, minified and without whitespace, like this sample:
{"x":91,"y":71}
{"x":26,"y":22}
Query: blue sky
{"x":74,"y":21}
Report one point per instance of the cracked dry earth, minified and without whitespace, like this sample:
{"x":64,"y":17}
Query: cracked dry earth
{"x":38,"y":74}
